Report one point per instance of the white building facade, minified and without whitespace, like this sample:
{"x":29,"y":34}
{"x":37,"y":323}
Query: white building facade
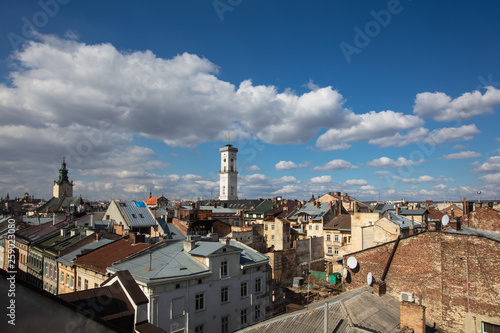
{"x":202,"y":286}
{"x":228,"y":174}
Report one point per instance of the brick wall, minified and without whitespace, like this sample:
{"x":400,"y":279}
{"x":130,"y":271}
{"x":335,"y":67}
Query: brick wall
{"x":485,"y":218}
{"x":437,"y":266}
{"x":413,"y":316}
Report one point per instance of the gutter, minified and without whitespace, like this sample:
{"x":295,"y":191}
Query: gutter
{"x":386,"y":269}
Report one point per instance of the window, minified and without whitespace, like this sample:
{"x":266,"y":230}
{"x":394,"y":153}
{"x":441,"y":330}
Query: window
{"x":46,"y":269}
{"x":86,"y":282}
{"x":328,"y":238}
{"x":310,"y":227}
{"x":490,"y":328}
{"x":199,"y":329}
{"x":223,"y":269}
{"x":336,"y":251}
{"x":272,"y":237}
{"x":199,"y":302}
{"x":224,"y":323}
{"x":266,"y":227}
{"x":67,"y":279}
{"x":62,"y":277}
{"x":123,"y":204}
{"x":96,"y":285}
{"x":272,"y":226}
{"x":177,"y":307}
{"x":244,"y":289}
{"x":317,"y":227}
{"x":243,"y":317}
{"x":223,"y":187}
{"x":200,"y":281}
{"x":257,"y":312}
{"x":141,"y":216}
{"x":329,"y":250}
{"x":177,"y":285}
{"x":258,"y":285}
{"x":336,"y":238}
{"x":50,"y":272}
{"x":79,"y":283}
{"x":72,"y":285}
{"x":134,"y":216}
{"x":224,"y":295}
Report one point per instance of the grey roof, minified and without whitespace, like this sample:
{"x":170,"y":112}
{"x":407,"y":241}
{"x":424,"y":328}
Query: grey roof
{"x":494,"y":235}
{"x":382,"y":207}
{"x":406,"y":211}
{"x":168,"y":261}
{"x":133,"y":210}
{"x":67,"y":259}
{"x":403,"y":221}
{"x":219,"y":210}
{"x":311,"y":321}
{"x":373,"y":312}
{"x":311,"y":210}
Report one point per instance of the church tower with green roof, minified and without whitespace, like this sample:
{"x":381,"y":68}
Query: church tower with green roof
{"x":63,"y":187}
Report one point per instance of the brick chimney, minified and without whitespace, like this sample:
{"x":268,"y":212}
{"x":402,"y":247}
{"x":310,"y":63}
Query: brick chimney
{"x":398,"y":209}
{"x":412,"y":316}
{"x":379,"y":287}
{"x":189,"y":244}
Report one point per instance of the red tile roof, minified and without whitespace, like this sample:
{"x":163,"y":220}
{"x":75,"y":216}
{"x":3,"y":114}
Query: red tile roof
{"x":151,"y":200}
{"x":103,"y":257}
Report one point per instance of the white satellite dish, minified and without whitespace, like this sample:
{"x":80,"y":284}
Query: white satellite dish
{"x":352,"y":262}
{"x":445,"y":219}
{"x":344,"y":273}
{"x":369,"y":279}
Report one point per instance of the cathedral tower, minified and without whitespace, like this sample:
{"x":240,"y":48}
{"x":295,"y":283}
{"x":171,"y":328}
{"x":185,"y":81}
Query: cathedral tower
{"x":63,"y":187}
{"x":228,"y":173}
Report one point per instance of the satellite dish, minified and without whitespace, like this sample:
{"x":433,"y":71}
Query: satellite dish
{"x":445,"y":220}
{"x":352,"y":262}
{"x":369,"y":279}
{"x":344,"y":272}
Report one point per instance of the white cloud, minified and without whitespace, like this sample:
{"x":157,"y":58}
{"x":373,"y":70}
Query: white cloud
{"x":382,"y":172}
{"x":285,"y":165}
{"x":252,"y":168}
{"x":321,"y":179}
{"x":287,"y":179}
{"x":462,"y":155}
{"x":441,"y":107}
{"x":311,"y":85}
{"x":287,"y":189}
{"x":493,"y":178}
{"x":355,"y":182}
{"x":386,"y":162}
{"x":459,"y":146}
{"x":422,"y":179}
{"x":492,"y":164}
{"x":368,"y":126}
{"x":450,"y":134}
{"x":335,"y":165}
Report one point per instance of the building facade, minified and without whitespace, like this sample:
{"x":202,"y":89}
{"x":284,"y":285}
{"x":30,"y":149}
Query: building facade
{"x":63,"y":187}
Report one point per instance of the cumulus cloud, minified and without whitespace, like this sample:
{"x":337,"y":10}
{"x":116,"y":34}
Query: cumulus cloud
{"x":462,"y":155}
{"x":386,"y":162}
{"x":355,"y":182}
{"x":442,"y":107}
{"x":368,"y":126}
{"x":289,"y":165}
{"x":335,"y":165}
{"x":321,"y":179}
{"x":252,"y":168}
{"x":287,"y":179}
{"x":422,"y":179}
{"x":450,"y":134}
{"x":492,"y":164}
{"x":493,"y":178}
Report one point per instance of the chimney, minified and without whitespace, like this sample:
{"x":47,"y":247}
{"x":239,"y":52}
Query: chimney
{"x":215,"y":205}
{"x":398,"y":209}
{"x":388,"y":216}
{"x":92,"y":221}
{"x":337,"y":194}
{"x":452,"y":213}
{"x":454,"y":223}
{"x":379,"y":287}
{"x":412,"y":315}
{"x":53,"y":219}
{"x":412,"y":227}
{"x":331,"y":204}
{"x":339,"y":209}
{"x":464,"y":205}
{"x":97,"y":236}
{"x":189,"y":244}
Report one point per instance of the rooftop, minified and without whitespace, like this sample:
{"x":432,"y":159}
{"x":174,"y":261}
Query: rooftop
{"x":67,"y":259}
{"x":136,"y":213}
{"x":100,"y":259}
{"x":315,"y":212}
{"x":340,"y":222}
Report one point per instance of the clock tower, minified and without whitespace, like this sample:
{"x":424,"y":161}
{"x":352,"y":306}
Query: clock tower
{"x":228,"y":174}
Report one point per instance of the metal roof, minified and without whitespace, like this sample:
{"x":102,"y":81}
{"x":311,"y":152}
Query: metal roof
{"x":311,"y":210}
{"x":168,"y":261}
{"x":67,"y":259}
{"x":403,"y":221}
{"x":136,"y":213}
{"x":493,"y":235}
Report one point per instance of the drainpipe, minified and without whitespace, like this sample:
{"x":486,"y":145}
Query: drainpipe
{"x":386,"y":269}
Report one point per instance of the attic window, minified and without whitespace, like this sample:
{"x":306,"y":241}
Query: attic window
{"x":134,"y":216}
{"x":142,"y":216}
{"x":224,"y":250}
{"x":123,"y":204}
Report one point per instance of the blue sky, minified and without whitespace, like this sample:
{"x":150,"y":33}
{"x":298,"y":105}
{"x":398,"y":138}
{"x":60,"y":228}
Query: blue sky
{"x":380,"y":99}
